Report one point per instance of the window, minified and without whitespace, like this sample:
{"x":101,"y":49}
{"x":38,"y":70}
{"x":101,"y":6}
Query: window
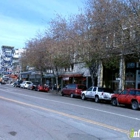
{"x":130,"y":65}
{"x":132,"y":92}
{"x":68,"y":86}
{"x":137,"y":92}
{"x":90,"y":89}
{"x":94,"y":89}
{"x":124,"y":92}
{"x":72,"y":86}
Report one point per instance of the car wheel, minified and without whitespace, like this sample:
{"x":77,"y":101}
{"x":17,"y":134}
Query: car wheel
{"x":83,"y":97}
{"x":72,"y":95}
{"x":134,"y":105}
{"x":114,"y":102}
{"x":96,"y":99}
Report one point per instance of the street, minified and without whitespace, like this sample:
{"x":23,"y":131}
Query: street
{"x":33,"y":115}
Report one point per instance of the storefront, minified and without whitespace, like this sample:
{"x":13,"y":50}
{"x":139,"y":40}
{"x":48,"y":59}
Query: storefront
{"x":132,"y":76}
{"x":77,"y":78}
{"x":71,"y":78}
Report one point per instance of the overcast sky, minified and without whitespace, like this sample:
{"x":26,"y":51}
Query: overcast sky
{"x":21,"y":20}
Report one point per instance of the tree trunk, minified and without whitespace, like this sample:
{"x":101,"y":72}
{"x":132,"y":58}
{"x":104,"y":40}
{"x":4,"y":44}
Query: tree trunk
{"x":122,"y":73}
{"x":41,"y":80}
{"x":92,"y":79}
{"x":56,"y":77}
{"x":56,"y":80}
{"x":100,"y":74}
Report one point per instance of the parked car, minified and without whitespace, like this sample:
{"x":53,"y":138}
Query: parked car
{"x":34,"y":86}
{"x":2,"y":82}
{"x":17,"y":83}
{"x":44,"y":88}
{"x":128,"y":97}
{"x":73,"y":90}
{"x":97,"y":93}
{"x":26,"y":84}
{"x":5,"y":78}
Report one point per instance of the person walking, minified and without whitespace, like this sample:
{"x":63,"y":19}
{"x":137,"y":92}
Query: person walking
{"x":58,"y":88}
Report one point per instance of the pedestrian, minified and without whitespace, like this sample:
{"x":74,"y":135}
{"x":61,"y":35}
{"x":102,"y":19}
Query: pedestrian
{"x":58,"y":88}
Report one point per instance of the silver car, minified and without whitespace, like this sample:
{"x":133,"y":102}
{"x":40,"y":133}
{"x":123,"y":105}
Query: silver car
{"x":97,"y":93}
{"x":26,"y":84}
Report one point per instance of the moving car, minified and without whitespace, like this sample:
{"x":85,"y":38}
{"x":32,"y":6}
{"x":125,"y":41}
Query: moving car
{"x":97,"y":93}
{"x":26,"y":84}
{"x":73,"y":90}
{"x":128,"y":97}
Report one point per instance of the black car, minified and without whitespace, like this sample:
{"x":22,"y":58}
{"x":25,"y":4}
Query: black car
{"x":17,"y":83}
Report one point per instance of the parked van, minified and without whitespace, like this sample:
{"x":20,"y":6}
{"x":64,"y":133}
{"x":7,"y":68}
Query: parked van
{"x":73,"y":90}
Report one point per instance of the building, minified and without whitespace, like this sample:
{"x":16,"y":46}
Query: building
{"x":9,"y":62}
{"x":16,"y":66}
{"x":6,"y":59}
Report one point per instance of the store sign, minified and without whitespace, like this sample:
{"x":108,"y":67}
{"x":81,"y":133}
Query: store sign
{"x":65,"y":78}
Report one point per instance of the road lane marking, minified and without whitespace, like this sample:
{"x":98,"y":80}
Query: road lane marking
{"x":99,"y":110}
{"x":68,"y":115}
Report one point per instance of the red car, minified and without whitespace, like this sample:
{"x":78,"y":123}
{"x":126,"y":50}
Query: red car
{"x":73,"y":90}
{"x":127,"y":97}
{"x":42,"y":88}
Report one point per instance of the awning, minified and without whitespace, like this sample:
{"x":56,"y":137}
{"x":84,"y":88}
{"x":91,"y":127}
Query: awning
{"x":50,"y":75}
{"x":71,"y":75}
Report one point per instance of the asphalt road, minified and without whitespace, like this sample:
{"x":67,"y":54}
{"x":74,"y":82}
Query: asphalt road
{"x":33,"y":115}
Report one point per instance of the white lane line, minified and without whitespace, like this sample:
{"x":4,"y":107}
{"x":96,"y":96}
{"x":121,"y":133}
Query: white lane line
{"x":69,"y":115}
{"x":107,"y":112}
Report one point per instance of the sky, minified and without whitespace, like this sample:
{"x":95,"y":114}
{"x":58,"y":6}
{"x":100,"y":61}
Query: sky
{"x":22,"y":20}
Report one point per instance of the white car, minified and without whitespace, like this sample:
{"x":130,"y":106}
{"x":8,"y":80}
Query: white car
{"x":26,"y":84}
{"x":97,"y":93}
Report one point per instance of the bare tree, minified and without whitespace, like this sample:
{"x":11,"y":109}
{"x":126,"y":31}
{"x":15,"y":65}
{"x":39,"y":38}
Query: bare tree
{"x":106,"y":33}
{"x":36,"y":55}
{"x":111,"y":23}
{"x":61,"y":52}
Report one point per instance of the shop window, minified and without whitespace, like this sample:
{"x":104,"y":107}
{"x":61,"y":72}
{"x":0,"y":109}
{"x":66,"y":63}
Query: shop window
{"x":130,"y":76}
{"x":130,"y":65}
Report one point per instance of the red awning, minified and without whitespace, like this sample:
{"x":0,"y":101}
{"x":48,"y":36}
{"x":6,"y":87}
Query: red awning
{"x":71,"y":75}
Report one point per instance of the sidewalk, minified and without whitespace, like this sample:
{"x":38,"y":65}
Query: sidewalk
{"x":55,"y":92}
